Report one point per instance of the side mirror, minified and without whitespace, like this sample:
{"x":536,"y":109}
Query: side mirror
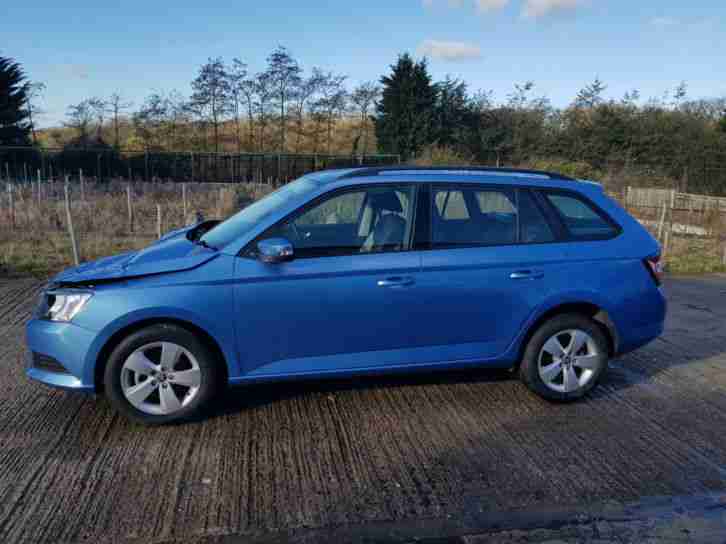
{"x":275,"y":250}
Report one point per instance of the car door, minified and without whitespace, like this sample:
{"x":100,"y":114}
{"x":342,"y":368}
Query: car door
{"x":492,"y":260}
{"x":341,"y":302}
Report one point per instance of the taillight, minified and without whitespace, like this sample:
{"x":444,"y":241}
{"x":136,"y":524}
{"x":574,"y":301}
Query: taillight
{"x":655,"y":267}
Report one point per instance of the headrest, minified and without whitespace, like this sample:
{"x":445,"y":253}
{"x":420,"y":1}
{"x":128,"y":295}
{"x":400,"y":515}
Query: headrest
{"x":386,"y":200}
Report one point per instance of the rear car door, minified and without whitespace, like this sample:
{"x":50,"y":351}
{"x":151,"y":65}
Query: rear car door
{"x":493,"y":257}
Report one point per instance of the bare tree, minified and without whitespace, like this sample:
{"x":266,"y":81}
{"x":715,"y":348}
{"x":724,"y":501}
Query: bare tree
{"x":33,"y":96}
{"x":80,"y":118}
{"x":304,"y":94}
{"x":248,"y":93}
{"x":237,"y":75}
{"x":117,"y":106}
{"x":263,"y":95}
{"x":211,"y":96}
{"x":332,"y":102}
{"x":364,"y":96}
{"x":175,"y":116}
{"x":283,"y":72}
{"x":149,"y":120}
{"x":99,"y":107}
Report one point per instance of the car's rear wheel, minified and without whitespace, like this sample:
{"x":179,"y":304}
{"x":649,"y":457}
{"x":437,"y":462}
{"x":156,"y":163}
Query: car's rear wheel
{"x":565,"y":358}
{"x":160,"y":374}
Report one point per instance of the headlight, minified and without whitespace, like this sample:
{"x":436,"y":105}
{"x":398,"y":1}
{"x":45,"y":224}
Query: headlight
{"x":65,"y":306}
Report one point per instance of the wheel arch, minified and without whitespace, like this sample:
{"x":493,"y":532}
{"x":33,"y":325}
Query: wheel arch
{"x":595,"y":312}
{"x":207,"y":339}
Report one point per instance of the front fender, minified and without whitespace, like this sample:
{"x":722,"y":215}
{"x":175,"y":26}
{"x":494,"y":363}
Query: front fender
{"x":224,"y":339}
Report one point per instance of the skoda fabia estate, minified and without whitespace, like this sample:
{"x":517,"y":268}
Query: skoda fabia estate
{"x":360,"y":271}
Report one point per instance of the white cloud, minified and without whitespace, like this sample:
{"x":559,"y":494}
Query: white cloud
{"x":484,"y":6}
{"x":449,"y":51}
{"x":664,"y":21}
{"x":540,"y":8}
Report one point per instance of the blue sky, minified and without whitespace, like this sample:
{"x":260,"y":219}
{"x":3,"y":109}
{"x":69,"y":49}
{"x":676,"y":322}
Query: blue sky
{"x":88,"y":48}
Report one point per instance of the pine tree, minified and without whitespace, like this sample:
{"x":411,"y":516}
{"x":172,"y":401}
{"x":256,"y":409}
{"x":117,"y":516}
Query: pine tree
{"x":405,"y":113}
{"x":14,"y":115}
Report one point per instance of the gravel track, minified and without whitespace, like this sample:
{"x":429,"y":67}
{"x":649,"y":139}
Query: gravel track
{"x":279,"y":458}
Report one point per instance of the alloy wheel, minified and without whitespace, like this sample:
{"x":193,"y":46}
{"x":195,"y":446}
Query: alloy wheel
{"x":160,"y":378}
{"x":568,"y":360}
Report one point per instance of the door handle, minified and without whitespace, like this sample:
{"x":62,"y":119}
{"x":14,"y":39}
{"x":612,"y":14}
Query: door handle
{"x":397,"y":281}
{"x":526,"y":275}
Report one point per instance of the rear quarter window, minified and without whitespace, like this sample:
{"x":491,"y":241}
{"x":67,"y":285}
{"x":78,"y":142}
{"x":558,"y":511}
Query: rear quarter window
{"x":581,"y":218}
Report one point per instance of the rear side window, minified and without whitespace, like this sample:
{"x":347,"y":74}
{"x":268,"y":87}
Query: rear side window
{"x":450,"y":204}
{"x":533,"y":227}
{"x":580,"y":218}
{"x":473,"y":216}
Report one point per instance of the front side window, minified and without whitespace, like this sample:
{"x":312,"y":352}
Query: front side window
{"x":580,"y":218}
{"x":473,"y":216}
{"x":367,"y":220}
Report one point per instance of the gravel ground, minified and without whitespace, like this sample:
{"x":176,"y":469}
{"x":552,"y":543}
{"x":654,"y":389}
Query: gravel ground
{"x":395,"y":458}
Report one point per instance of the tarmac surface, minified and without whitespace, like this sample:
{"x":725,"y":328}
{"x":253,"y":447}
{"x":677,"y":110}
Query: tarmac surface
{"x":446,"y":457}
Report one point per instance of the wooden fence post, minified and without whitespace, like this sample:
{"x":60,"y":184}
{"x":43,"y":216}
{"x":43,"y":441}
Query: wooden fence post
{"x":666,"y":243}
{"x":83,"y":188}
{"x":662,"y":221}
{"x":130,"y":208}
{"x":158,"y":220}
{"x":184,"y":202}
{"x":11,"y":205}
{"x":39,"y":187}
{"x":69,"y":220}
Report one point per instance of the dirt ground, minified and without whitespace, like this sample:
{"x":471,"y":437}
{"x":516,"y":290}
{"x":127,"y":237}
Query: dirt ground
{"x":426,"y":458}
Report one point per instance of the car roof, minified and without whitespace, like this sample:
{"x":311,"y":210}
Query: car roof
{"x":451,"y":171}
{"x":467,"y":174}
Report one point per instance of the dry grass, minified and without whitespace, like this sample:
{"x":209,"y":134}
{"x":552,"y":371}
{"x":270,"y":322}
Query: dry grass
{"x":39,"y":244}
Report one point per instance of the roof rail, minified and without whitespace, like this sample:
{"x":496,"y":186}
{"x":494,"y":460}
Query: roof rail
{"x":459,"y":170}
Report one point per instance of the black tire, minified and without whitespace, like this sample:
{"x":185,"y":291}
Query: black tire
{"x":529,"y":368}
{"x":210,"y":378}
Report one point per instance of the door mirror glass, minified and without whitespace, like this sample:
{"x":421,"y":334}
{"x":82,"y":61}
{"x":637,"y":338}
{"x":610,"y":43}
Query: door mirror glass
{"x":275,"y":250}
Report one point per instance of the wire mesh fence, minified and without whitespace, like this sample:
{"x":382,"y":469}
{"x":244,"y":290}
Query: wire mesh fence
{"x":22,"y":164}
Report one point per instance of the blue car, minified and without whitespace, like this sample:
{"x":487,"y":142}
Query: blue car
{"x":360,"y":271}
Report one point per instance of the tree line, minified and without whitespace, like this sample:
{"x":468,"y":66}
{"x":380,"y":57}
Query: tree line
{"x":672,"y":135}
{"x":285,"y":109}
{"x":279,"y":109}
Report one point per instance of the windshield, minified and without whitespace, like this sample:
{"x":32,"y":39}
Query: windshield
{"x":245,"y":220}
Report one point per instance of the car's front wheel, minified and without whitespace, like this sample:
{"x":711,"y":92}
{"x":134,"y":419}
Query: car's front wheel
{"x":160,"y":374}
{"x":565,"y":357}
